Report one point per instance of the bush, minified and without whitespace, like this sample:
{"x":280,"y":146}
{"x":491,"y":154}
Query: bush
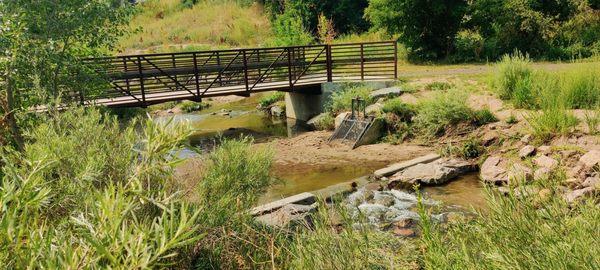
{"x":469,"y":149}
{"x":544,"y":233}
{"x":342,"y":100}
{"x":404,"y":111}
{"x":435,"y":114}
{"x":191,"y":106}
{"x":271,"y":99}
{"x":468,"y":45}
{"x":511,"y":73}
{"x":326,"y":122}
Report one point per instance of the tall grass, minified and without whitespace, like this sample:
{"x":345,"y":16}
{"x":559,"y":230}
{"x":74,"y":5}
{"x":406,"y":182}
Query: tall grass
{"x":552,"y":121}
{"x":513,"y":233}
{"x":208,"y":24}
{"x":342,"y":100}
{"x":512,"y":72}
{"x":442,"y":110}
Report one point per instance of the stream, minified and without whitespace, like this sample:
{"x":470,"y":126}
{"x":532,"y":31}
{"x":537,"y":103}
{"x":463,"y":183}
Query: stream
{"x":240,"y":118}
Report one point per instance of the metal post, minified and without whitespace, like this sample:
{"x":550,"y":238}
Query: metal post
{"x":329,"y":63}
{"x":362,"y":61}
{"x":139,"y":64}
{"x":289,"y":53}
{"x":219,"y":64}
{"x":196,"y":75}
{"x":173,"y":64}
{"x":245,"y":61}
{"x":127,"y":79}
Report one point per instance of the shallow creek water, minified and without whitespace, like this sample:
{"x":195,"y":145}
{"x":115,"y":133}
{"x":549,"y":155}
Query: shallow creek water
{"x":243,"y":119}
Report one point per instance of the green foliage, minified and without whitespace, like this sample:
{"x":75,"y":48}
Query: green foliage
{"x":581,"y":87}
{"x":469,"y":149}
{"x":327,"y":122}
{"x":592,"y":121}
{"x":550,"y":122}
{"x":69,"y":201}
{"x":191,"y":106}
{"x":484,"y":116}
{"x":289,"y":30}
{"x":544,"y":233}
{"x":438,"y":86}
{"x":341,"y":100}
{"x":468,"y":45}
{"x":512,"y":119}
{"x":440,"y":111}
{"x":271,"y":99}
{"x":405,"y":112}
{"x":425,"y":27}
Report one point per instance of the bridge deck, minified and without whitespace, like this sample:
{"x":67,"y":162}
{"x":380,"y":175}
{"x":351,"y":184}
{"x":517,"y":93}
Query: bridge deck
{"x":142,"y":80}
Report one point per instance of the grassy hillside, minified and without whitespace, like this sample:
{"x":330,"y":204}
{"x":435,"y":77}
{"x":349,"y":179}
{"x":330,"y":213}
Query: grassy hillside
{"x":166,"y":25}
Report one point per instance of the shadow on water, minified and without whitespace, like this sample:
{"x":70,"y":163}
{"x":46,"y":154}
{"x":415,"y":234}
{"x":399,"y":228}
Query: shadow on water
{"x":466,"y":192}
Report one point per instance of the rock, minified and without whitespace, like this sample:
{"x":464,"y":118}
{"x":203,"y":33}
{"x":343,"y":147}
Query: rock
{"x":526,"y":138}
{"x":573,"y":182}
{"x":526,"y":151}
{"x":289,"y":215}
{"x":404,"y":232}
{"x":360,"y":196}
{"x":566,"y":154}
{"x":520,"y":173}
{"x":503,"y":190}
{"x":590,"y":159}
{"x":576,"y":172}
{"x":542,"y":173}
{"x":405,"y":223}
{"x":374,"y":212}
{"x":544,"y":149}
{"x":315,"y":120}
{"x":340,"y":118}
{"x":386,"y":92}
{"x":575,"y":195}
{"x":383,"y":199}
{"x":546,"y":162}
{"x":277,"y":111}
{"x":373,"y":186}
{"x":437,"y":172}
{"x":489,"y":138}
{"x":492,"y":172}
{"x":591,"y":182}
{"x":374,"y":108}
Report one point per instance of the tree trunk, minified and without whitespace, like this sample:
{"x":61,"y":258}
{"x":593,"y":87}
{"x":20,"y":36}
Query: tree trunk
{"x":10,"y":113}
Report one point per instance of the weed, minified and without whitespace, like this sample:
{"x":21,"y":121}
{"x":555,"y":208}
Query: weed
{"x":271,"y":99}
{"x":550,"y":122}
{"x":438,"y":86}
{"x":512,"y":119}
{"x":327,"y":122}
{"x":342,"y":100}
{"x":592,"y":121}
{"x":484,"y":116}
{"x":191,"y":106}
{"x":469,"y":149}
{"x":404,"y":111}
{"x":512,"y":70}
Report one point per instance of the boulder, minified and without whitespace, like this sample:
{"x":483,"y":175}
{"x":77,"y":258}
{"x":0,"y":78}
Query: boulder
{"x":315,"y":120}
{"x":288,"y":215}
{"x":383,"y":199}
{"x":386,"y":92}
{"x":277,"y":111}
{"x":373,"y":109}
{"x":520,"y":173}
{"x":545,"y":162}
{"x":437,"y":172}
{"x":490,"y":137}
{"x":544,"y":149}
{"x":526,"y":151}
{"x":575,"y":195}
{"x":340,"y":118}
{"x":492,"y":171}
{"x":590,"y":159}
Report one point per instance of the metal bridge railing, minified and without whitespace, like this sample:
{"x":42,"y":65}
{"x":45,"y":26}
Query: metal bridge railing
{"x":140,"y":80}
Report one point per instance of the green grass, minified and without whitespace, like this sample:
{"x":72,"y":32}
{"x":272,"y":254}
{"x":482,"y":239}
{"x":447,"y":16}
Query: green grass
{"x":511,"y":73}
{"x":484,"y":116}
{"x":512,"y":233}
{"x":191,"y":106}
{"x":165,"y":25}
{"x":547,"y":123}
{"x":442,"y":110}
{"x":271,"y":99}
{"x":326,"y":123}
{"x":404,"y":111}
{"x":341,"y":100}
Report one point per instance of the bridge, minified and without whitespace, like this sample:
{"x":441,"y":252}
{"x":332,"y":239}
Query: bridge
{"x":146,"y":79}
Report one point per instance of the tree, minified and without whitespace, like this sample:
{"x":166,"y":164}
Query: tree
{"x":42,"y":43}
{"x":427,"y":27}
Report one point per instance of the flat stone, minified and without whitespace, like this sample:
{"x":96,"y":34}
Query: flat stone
{"x":526,"y":151}
{"x":575,"y":195}
{"x":526,"y":138}
{"x":590,"y":159}
{"x":302,"y":198}
{"x":546,"y":162}
{"x":386,"y":92}
{"x":291,"y":214}
{"x":394,"y":168}
{"x":544,"y":149}
{"x":573,"y":182}
{"x":437,"y":172}
{"x":405,"y":223}
{"x":404,"y":232}
{"x":490,"y":137}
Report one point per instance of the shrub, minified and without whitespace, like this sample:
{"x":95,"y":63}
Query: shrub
{"x":435,"y":114}
{"x":550,"y":122}
{"x":327,"y":122}
{"x":512,"y":70}
{"x":342,"y":100}
{"x":469,"y":149}
{"x":544,"y":233}
{"x":271,"y":99}
{"x":468,"y":45}
{"x":484,"y":116}
{"x":191,"y":106}
{"x":404,"y":111}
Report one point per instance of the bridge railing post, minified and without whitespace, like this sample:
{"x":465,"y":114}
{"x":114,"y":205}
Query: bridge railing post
{"x":141,"y":73}
{"x":362,"y":61}
{"x":329,"y":62}
{"x":196,"y":75}
{"x":289,"y":64}
{"x":395,"y":60}
{"x":245,"y":61}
